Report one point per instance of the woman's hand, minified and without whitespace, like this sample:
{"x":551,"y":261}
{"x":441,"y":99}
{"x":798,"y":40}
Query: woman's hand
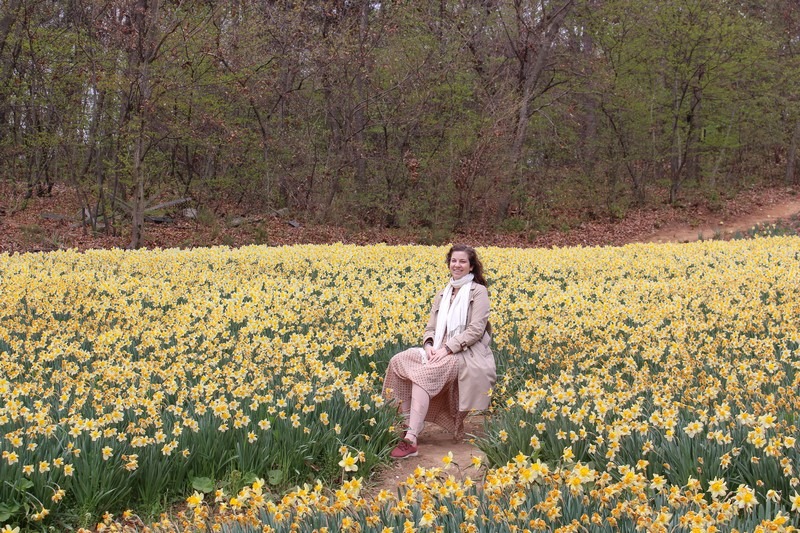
{"x":429,"y":351}
{"x":441,"y":353}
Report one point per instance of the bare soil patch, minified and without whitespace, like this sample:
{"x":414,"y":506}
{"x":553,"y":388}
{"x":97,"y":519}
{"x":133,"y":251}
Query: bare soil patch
{"x":53,"y":222}
{"x":726,"y":226}
{"x":434,"y":444}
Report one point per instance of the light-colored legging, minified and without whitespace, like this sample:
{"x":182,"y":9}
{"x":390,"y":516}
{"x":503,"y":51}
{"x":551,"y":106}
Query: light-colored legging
{"x":419,"y":408}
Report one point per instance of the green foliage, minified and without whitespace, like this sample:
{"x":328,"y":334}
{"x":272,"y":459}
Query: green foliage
{"x":778,"y":229}
{"x":435,"y":237}
{"x":400,"y":115}
{"x":513,"y":225}
{"x":206,"y":217}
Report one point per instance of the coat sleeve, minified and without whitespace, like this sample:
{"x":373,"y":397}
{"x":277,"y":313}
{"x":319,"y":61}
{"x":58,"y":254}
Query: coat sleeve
{"x":430,"y":329}
{"x":479,"y":316}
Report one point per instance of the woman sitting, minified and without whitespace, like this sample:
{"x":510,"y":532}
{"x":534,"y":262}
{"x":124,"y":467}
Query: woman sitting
{"x":453,"y":371}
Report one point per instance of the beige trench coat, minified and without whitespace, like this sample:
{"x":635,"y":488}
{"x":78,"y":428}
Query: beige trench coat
{"x":477,"y":373}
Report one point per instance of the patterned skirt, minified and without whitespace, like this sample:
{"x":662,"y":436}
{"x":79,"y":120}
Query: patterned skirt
{"x":440,"y":381}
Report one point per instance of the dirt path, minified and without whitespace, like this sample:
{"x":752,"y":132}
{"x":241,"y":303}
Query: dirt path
{"x":51,"y":222}
{"x":435,"y":443}
{"x":725,"y":226}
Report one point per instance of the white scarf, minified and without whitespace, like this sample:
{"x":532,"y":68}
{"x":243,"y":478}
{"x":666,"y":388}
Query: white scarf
{"x":452,"y":318}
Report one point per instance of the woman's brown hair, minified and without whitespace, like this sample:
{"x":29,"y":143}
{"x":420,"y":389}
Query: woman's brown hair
{"x":474,"y":262}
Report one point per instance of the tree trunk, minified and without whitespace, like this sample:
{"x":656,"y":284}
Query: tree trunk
{"x":534,"y":57}
{"x":677,"y":159}
{"x":792,"y":155}
{"x":335,"y":146}
{"x":712,"y":180}
{"x":359,"y":112}
{"x":138,"y":201}
{"x":145,"y":17}
{"x":694,"y":136}
{"x":535,"y":64}
{"x":7,"y":58}
{"x":588,"y":135}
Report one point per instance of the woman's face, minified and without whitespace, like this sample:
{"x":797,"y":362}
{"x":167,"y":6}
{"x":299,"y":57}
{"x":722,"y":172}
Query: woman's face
{"x":459,"y":265}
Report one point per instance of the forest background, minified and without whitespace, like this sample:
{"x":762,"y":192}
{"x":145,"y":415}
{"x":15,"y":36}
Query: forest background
{"x":430,"y":116}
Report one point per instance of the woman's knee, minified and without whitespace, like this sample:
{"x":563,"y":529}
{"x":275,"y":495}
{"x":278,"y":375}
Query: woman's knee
{"x":395,"y":360}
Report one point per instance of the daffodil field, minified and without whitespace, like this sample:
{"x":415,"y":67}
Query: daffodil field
{"x":649,"y":387}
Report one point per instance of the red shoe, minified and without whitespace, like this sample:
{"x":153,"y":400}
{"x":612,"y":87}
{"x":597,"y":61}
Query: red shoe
{"x":404,"y":449}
